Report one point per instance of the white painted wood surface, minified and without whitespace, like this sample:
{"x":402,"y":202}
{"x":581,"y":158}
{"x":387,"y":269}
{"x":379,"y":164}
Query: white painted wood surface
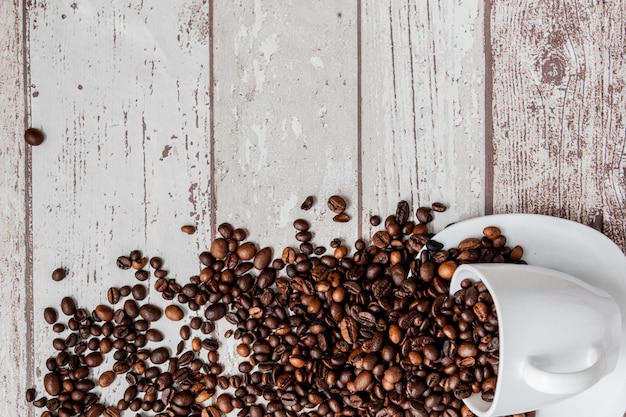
{"x":423,"y":107}
{"x":160,"y":114}
{"x":16,"y":295}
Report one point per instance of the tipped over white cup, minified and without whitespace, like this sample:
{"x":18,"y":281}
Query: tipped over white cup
{"x":558,"y":335}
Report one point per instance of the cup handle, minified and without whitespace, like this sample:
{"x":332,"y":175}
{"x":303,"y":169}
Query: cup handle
{"x":565,"y":383}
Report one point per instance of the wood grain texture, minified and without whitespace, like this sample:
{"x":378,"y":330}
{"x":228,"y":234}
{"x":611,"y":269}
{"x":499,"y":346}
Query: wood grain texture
{"x":15,"y":298}
{"x":423,"y":106}
{"x":558,"y":110}
{"x":285,"y":125}
{"x":122,"y":92}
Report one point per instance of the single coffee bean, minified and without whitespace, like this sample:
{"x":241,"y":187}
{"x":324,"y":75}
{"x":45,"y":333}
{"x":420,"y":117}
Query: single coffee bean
{"x":139,"y":292}
{"x":142,"y":275}
{"x":31,"y":394}
{"x":104,"y":312}
{"x":149,"y":312}
{"x":308,"y":203}
{"x":224,"y":403}
{"x":113,"y":295}
{"x":33,"y":136}
{"x":215,"y":311}
{"x":68,"y":306}
{"x":336,"y":204}
{"x":124,"y":262}
{"x":52,"y":383}
{"x":159,"y":355}
{"x":59,"y":274}
{"x":246,"y":251}
{"x":341,"y":218}
{"x":424,"y":215}
{"x":106,"y":379}
{"x":174,"y":313}
{"x":50,"y":315}
{"x":93,"y":359}
{"x":189,"y":229}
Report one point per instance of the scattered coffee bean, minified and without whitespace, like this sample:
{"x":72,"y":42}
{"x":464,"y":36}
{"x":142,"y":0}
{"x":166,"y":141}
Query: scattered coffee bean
{"x":189,"y":229}
{"x":336,"y":204}
{"x":308,"y":203}
{"x":33,"y":136}
{"x":59,"y":274}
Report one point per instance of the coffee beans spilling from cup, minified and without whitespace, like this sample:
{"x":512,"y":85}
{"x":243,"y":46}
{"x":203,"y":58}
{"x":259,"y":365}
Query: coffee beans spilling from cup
{"x":371,"y":333}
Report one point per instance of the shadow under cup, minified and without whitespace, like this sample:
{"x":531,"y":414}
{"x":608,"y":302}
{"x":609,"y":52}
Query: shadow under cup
{"x":558,"y":335}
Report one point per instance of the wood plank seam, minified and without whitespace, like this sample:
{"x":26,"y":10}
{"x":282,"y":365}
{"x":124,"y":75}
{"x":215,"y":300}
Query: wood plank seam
{"x":28,"y":205}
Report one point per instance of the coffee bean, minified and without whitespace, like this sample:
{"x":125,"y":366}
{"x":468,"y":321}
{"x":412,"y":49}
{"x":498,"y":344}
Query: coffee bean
{"x":50,"y":315}
{"x":224,"y":403}
{"x":113,"y":295}
{"x":139,"y":292}
{"x":150,"y":312}
{"x":111,"y":411}
{"x":52,"y":383}
{"x":106,"y":379}
{"x":95,"y":410}
{"x":308,"y":203}
{"x":381,"y":239}
{"x":159,"y":355}
{"x":68,"y":306}
{"x":189,"y":229}
{"x":402,"y":212}
{"x":439,"y":207}
{"x":246,"y":251}
{"x":124,"y":262}
{"x":104,"y":312}
{"x":174,"y":313}
{"x":59,"y":274}
{"x":33,"y":136}
{"x":262,"y":258}
{"x":215,"y":311}
{"x":341,"y":218}
{"x":336,"y":204}
{"x":424,"y":215}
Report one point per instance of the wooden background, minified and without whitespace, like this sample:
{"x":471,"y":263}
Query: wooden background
{"x":163,"y":113}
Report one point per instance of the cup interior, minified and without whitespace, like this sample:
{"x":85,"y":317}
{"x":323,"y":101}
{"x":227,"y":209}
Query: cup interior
{"x":475,"y":402}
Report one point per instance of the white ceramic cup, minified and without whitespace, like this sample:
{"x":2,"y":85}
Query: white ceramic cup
{"x":558,"y":335}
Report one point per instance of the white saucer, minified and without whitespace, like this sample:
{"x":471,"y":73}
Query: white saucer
{"x":577,"y":250}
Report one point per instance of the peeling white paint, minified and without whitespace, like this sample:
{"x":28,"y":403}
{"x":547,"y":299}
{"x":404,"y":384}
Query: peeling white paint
{"x":317,"y":62}
{"x":296,"y":126}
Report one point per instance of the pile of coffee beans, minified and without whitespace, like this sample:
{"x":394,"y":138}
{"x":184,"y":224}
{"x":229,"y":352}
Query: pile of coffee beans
{"x":372,"y":333}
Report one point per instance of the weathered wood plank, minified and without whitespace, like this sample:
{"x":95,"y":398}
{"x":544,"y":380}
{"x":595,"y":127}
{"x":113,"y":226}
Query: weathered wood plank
{"x":122,"y":92}
{"x":16,"y":297}
{"x":423,"y":106}
{"x":558,"y":108}
{"x":286,"y":119}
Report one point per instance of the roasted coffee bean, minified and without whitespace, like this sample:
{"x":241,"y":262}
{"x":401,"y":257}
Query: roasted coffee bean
{"x":139,"y":292}
{"x":215,"y":311}
{"x":336,"y":204}
{"x":50,"y":315}
{"x":52,"y":383}
{"x":68,"y":306}
{"x":33,"y":136}
{"x":159,"y":355}
{"x":58,"y":274}
{"x":307,"y":203}
{"x":424,"y":215}
{"x":124,"y":262}
{"x":174,"y":313}
{"x":149,"y":312}
{"x":341,"y":218}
